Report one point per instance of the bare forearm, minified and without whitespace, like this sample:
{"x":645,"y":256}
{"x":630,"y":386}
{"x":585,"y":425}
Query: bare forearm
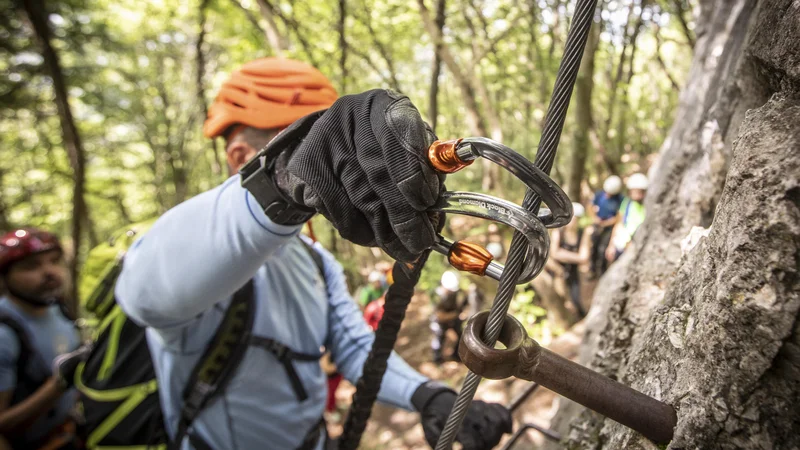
{"x":22,"y":415}
{"x":568,"y":257}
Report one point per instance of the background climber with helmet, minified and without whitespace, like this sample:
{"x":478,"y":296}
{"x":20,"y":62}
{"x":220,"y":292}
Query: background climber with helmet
{"x":605,"y":205}
{"x":570,"y":248}
{"x":341,"y":158}
{"x":631,"y":215}
{"x":373,"y":290}
{"x":38,"y":344}
{"x":449,"y":301}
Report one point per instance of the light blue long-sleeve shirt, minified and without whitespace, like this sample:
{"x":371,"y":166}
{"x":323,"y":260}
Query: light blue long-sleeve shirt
{"x":180,"y":276}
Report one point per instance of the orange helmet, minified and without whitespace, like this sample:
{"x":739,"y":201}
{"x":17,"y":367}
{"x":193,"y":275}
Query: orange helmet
{"x":268,"y":93}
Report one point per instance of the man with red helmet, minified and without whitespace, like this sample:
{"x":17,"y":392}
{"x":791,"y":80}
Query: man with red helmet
{"x":360,"y":161}
{"x":37,"y":343}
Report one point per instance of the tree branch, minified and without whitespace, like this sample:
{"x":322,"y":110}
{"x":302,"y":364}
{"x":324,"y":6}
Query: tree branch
{"x":343,"y":43}
{"x":657,"y":33}
{"x":433,"y":96}
{"x":37,"y":16}
{"x":295,"y":27}
{"x":382,"y":50}
{"x":680,"y":10}
{"x":278,"y":42}
{"x":250,"y":16}
{"x":200,"y":66}
{"x":363,"y":55}
{"x":474,"y":117}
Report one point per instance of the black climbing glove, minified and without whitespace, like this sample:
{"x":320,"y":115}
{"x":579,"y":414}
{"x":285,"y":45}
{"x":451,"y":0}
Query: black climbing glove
{"x":65,"y":365}
{"x":483,"y":426}
{"x":362,"y":164}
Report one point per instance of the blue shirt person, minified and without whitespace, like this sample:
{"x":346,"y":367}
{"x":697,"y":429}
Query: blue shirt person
{"x":35,"y":400}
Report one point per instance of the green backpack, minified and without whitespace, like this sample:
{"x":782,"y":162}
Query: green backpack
{"x":117,"y":383}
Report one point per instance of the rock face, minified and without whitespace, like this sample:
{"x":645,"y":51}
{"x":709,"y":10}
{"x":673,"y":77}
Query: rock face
{"x":702,"y":312}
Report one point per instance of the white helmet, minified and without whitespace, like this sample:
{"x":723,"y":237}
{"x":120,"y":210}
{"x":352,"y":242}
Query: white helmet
{"x":450,"y":281}
{"x":612,"y":185}
{"x":578,"y":210}
{"x":637,"y":181}
{"x":374,"y":276}
{"x":496,"y":249}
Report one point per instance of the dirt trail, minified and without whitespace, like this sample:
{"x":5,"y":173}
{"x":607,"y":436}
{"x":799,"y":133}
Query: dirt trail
{"x":390,"y":428}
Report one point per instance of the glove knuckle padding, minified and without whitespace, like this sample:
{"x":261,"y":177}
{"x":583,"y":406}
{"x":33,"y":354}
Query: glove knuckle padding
{"x":405,"y":139}
{"x":378,"y":137}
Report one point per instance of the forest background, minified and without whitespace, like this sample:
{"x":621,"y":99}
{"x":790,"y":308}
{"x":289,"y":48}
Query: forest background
{"x":102,"y":103}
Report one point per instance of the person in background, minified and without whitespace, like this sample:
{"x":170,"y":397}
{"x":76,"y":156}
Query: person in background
{"x":449,"y":302}
{"x":38,"y":344}
{"x":631,"y":216}
{"x":570,"y":248}
{"x":475,"y":299}
{"x":606,"y":204}
{"x":376,"y":286}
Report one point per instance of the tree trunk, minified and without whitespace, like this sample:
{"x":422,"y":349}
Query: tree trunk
{"x":583,"y":114}
{"x":343,"y":44}
{"x":216,"y":163}
{"x":433,"y":96}
{"x":475,"y":119}
{"x":706,"y":319}
{"x":278,"y":42}
{"x":37,"y":15}
{"x":5,"y":223}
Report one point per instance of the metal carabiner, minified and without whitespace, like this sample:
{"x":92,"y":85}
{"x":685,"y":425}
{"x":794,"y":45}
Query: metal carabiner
{"x":475,"y":259}
{"x":452,"y":156}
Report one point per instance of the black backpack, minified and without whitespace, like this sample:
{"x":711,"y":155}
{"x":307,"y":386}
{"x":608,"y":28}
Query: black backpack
{"x":119,"y":391}
{"x":32,"y":369}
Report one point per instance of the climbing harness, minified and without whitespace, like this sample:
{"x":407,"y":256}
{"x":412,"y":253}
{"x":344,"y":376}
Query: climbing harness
{"x":522,"y":356}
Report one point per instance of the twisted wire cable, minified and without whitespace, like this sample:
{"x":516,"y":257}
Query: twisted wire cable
{"x":545,"y":156}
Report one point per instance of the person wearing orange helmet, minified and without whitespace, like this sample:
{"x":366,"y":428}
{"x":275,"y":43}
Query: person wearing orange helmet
{"x":38,"y":344}
{"x":359,"y":160}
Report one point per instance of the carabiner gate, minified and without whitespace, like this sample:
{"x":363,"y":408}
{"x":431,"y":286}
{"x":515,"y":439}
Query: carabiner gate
{"x":452,"y":156}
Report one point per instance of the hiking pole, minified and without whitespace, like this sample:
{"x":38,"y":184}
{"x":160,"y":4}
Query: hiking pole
{"x":554,"y":123}
{"x":518,"y":400}
{"x":549,"y":434}
{"x":513,"y":405}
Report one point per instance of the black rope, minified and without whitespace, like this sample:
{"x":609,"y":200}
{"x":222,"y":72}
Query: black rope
{"x":397,"y":299}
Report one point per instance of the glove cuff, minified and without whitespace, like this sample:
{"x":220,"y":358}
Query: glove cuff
{"x":259,"y":176}
{"x":426,"y":392}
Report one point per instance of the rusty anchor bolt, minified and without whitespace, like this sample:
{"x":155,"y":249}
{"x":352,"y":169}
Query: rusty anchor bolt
{"x":524,"y":358}
{"x":519,"y":358}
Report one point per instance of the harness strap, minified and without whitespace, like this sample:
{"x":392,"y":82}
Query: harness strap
{"x":220,"y":359}
{"x":286,"y":355}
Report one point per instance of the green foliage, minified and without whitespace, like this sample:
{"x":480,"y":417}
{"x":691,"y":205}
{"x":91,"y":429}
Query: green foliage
{"x":524,"y":308}
{"x":131,"y":70}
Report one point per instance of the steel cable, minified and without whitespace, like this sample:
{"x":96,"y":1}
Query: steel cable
{"x":545,"y":156}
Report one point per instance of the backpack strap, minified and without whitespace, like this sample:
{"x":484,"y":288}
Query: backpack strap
{"x":220,"y":359}
{"x":317,"y":258}
{"x":26,"y":350}
{"x":226,"y":350}
{"x":282,"y":352}
{"x":286,"y":356}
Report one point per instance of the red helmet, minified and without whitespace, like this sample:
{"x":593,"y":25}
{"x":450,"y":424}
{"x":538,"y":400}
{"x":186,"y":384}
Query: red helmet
{"x":268,"y":93}
{"x":23,"y":242}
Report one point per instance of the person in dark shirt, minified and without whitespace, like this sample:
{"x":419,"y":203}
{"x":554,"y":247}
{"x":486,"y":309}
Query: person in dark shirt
{"x":449,"y":302}
{"x":606,"y":204}
{"x":569,"y":247}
